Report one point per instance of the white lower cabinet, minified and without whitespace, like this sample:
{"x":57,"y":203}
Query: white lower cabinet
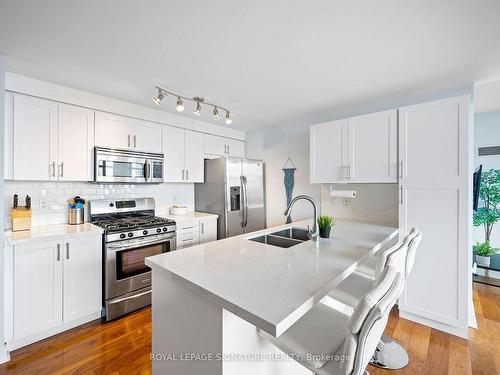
{"x":57,"y":284}
{"x":187,"y":233}
{"x":208,"y":230}
{"x":196,"y":231}
{"x":38,"y":286}
{"x":82,"y":277}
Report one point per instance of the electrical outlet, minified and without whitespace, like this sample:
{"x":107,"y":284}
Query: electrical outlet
{"x":44,"y":204}
{"x":347,"y":202}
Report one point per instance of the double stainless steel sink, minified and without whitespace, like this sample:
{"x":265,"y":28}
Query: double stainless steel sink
{"x":284,"y":238}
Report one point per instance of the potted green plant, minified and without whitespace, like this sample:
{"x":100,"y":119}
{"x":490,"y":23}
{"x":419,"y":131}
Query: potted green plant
{"x":489,"y":192}
{"x":487,"y":215}
{"x":484,"y":251}
{"x":325,"y":224}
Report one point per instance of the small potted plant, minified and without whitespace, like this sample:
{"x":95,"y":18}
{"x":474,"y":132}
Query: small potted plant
{"x":483,"y":252}
{"x":325,"y":224}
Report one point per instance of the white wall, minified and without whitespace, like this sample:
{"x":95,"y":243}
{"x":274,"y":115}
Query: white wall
{"x":3,"y":352}
{"x":274,"y":145}
{"x":57,"y":194}
{"x":487,"y":133}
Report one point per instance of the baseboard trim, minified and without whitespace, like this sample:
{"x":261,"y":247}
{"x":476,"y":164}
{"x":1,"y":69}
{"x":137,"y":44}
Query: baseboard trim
{"x":4,"y":355}
{"x":456,"y":331}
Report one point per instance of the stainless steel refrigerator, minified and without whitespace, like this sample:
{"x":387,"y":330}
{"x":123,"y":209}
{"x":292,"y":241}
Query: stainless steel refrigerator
{"x":234,"y":190}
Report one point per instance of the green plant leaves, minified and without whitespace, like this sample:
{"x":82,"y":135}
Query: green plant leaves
{"x":484,"y":249}
{"x":325,"y":221}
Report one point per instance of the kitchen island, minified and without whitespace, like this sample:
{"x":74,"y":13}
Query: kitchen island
{"x":210,"y":301}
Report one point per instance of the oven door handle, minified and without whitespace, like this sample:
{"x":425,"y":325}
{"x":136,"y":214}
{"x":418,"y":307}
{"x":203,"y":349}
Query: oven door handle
{"x":115,"y":247}
{"x":129,"y":297}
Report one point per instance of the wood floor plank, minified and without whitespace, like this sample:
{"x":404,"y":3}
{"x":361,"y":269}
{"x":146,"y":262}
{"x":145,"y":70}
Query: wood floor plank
{"x":459,"y":358}
{"x":438,"y":353}
{"x":123,"y":346}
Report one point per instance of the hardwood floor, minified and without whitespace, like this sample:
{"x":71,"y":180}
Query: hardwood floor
{"x":123,"y":346}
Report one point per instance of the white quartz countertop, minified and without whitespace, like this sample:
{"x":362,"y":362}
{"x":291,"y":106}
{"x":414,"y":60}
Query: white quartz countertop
{"x":42,"y":232}
{"x":192,"y":215}
{"x":269,"y":286}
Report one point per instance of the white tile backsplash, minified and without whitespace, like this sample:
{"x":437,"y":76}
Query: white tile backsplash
{"x":376,"y":203}
{"x":54,"y":197}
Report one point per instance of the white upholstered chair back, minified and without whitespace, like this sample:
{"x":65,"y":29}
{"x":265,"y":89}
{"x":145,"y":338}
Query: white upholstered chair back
{"x":412,"y":250}
{"x":367,"y":323}
{"x":398,"y":258}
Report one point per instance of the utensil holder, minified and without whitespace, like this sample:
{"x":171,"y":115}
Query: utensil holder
{"x":76,"y":216}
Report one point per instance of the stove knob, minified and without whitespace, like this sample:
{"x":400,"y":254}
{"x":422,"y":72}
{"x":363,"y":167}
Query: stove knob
{"x":165,"y":229}
{"x":130,"y":234}
{"x":123,"y":235}
{"x":158,"y":230}
{"x":144,"y":232}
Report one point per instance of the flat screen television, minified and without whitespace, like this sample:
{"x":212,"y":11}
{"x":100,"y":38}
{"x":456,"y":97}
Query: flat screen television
{"x":476,"y":187}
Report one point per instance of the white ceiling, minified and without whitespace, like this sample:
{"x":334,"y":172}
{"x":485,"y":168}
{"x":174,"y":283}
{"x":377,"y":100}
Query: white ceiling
{"x":270,"y":62}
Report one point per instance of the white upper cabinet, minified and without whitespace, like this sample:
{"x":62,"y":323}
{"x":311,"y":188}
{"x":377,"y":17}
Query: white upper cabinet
{"x":34,"y":138}
{"x":183,"y":153}
{"x":193,"y":156}
{"x":360,"y":149}
{"x":111,"y":130}
{"x":328,"y":143}
{"x":144,"y":135}
{"x":372,"y":146}
{"x":75,"y":143}
{"x":46,"y":140}
{"x":9,"y":137}
{"x":117,"y":131}
{"x":173,"y":153}
{"x":222,"y":146}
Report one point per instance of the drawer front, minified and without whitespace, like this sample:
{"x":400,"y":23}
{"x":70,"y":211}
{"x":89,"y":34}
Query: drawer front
{"x":188,"y":241}
{"x":188,"y":225}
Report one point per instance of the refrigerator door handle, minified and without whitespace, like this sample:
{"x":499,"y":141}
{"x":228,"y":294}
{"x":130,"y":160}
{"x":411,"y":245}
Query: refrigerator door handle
{"x":245,"y":201}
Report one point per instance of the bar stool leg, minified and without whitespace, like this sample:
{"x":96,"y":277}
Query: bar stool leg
{"x":389,"y":355}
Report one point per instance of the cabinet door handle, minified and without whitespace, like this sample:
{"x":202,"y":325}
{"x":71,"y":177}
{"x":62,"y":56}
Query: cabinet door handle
{"x":53,"y":169}
{"x":202,"y":228}
{"x":187,"y":174}
{"x":135,"y":141}
{"x":228,"y":149}
{"x":401,"y":194}
{"x":183,"y":174}
{"x":62,"y":169}
{"x":349,"y":172}
{"x":128,"y":140}
{"x":400,"y":169}
{"x":58,"y":252}
{"x":67,"y":250}
{"x":188,"y":239}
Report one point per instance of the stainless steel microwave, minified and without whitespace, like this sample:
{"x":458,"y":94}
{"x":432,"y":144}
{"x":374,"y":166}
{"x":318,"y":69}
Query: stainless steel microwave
{"x":117,"y":165}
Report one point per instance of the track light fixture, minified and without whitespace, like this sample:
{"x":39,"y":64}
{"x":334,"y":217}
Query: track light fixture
{"x":162,"y":93}
{"x":159,"y":97}
{"x":180,"y":105}
{"x":197,"y":111}
{"x":228,"y":119}
{"x":216,"y":113}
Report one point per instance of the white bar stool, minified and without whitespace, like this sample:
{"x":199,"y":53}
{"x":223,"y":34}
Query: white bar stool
{"x":329,"y":342}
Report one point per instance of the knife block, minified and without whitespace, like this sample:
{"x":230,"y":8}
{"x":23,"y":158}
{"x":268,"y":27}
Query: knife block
{"x":21,"y":219}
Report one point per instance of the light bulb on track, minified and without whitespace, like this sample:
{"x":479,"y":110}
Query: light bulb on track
{"x":216,"y":113}
{"x":180,"y":105}
{"x":228,"y":119}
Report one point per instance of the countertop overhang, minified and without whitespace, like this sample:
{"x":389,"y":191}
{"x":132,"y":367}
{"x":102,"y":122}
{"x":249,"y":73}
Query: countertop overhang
{"x":269,"y":286}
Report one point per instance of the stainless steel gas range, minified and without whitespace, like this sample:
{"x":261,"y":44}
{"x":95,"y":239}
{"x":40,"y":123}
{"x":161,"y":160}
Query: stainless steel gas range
{"x":132,"y":232}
